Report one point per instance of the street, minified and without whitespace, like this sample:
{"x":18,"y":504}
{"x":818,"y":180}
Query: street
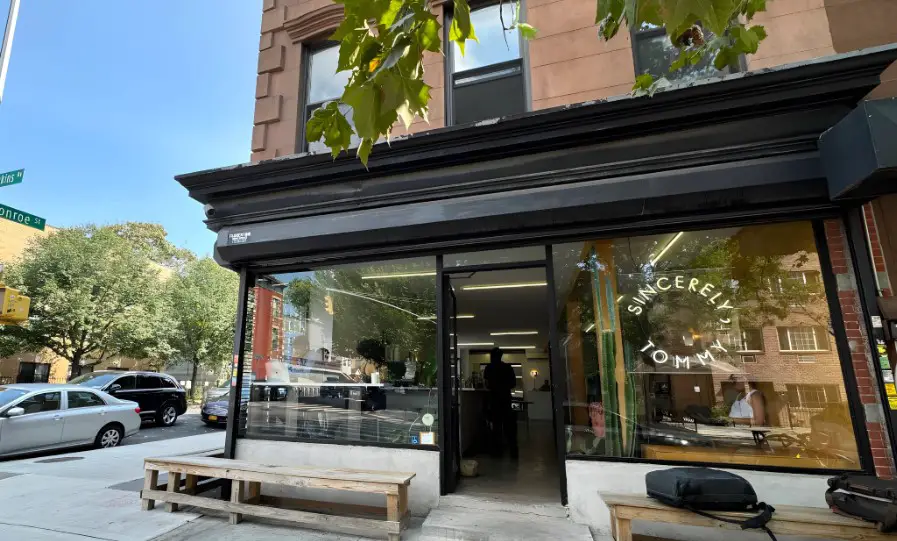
{"x":189,"y":424}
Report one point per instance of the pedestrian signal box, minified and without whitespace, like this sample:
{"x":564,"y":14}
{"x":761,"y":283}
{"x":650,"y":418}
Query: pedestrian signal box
{"x":14,"y":306}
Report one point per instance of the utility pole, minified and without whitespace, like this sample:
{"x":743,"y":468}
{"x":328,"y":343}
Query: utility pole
{"x":6,"y":46}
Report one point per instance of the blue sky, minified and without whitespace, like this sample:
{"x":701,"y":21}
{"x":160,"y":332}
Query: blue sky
{"x":107,"y":100}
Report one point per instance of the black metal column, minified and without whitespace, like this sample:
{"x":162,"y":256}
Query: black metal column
{"x":236,"y":381}
{"x":558,"y":370}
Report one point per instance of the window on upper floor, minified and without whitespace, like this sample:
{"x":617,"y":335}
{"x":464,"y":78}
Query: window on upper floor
{"x":803,"y":338}
{"x":323,"y":84}
{"x":488,"y":80}
{"x":654,"y":53}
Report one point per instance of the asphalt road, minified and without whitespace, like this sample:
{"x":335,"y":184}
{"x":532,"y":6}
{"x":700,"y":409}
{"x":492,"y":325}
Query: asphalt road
{"x":189,"y":424}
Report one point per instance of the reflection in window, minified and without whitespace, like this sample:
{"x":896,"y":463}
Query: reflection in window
{"x":655,"y":53}
{"x":487,"y":80}
{"x":325,"y":85}
{"x":652,"y":333}
{"x":350,"y":357}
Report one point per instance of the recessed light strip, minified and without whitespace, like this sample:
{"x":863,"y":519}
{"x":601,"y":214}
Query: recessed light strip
{"x":398,"y":275}
{"x":473,"y":344}
{"x":516,"y":347}
{"x":514,"y":333}
{"x":504,"y":286}
{"x":460,"y":316}
{"x":666,"y":248}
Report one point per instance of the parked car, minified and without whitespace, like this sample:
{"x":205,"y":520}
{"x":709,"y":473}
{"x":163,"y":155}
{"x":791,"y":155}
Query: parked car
{"x":159,"y":395}
{"x":40,"y":416}
{"x":215,"y":406}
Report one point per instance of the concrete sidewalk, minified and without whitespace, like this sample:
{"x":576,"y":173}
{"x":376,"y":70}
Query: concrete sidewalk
{"x":90,"y":494}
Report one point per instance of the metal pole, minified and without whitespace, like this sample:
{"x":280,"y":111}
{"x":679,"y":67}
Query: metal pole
{"x":6,"y":47}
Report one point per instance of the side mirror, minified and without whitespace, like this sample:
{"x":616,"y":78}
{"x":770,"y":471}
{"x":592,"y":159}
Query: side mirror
{"x":114,"y":388}
{"x":15,"y":412}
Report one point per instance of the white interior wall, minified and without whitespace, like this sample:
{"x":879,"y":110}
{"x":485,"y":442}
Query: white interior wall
{"x":587,"y":479}
{"x":423,"y":494}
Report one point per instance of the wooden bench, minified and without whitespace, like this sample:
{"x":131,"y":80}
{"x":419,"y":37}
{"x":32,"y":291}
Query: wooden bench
{"x":812,"y":522}
{"x":246,"y":498}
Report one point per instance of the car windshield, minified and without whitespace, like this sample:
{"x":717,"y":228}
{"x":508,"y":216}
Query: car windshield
{"x":7,"y":395}
{"x":96,"y":380}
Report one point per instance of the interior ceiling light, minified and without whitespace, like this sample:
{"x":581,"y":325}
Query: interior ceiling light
{"x":669,"y":245}
{"x":513,"y":333}
{"x":399,"y":275}
{"x":620,"y":298}
{"x":459,"y":316}
{"x":469,"y":344}
{"x":590,"y":327}
{"x":516,"y":347}
{"x":504,"y":286}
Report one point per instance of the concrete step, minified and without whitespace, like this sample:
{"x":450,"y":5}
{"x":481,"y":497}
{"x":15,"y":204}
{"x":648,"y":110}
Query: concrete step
{"x":516,"y":522}
{"x":506,"y":503}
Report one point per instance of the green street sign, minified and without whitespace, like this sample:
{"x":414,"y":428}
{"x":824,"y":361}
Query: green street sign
{"x":13,"y":177}
{"x":16,"y":215}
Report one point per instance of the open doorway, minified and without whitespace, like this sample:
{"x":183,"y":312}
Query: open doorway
{"x":500,"y":339}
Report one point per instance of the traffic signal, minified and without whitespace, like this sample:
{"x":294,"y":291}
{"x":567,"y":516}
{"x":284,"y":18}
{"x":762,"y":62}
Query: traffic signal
{"x":328,"y":304}
{"x":14,"y":306}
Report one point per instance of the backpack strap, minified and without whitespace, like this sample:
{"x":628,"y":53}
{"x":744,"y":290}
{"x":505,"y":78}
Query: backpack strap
{"x":756,"y":522}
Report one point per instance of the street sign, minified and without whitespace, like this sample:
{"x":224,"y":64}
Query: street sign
{"x":13,"y":177}
{"x":16,"y":215}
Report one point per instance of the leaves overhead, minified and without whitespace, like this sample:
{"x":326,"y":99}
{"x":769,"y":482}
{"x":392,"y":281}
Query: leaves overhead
{"x":383,"y":42}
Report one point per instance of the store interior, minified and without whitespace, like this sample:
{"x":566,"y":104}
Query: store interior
{"x":507,"y":310}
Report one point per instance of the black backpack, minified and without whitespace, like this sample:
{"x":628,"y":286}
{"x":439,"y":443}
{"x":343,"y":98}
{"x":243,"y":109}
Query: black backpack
{"x":865,"y":497}
{"x":704,"y":489}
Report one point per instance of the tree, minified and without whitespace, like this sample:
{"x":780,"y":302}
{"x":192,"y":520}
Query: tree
{"x":382,"y":44}
{"x":151,"y":240}
{"x":202,"y":305}
{"x":93,"y":296}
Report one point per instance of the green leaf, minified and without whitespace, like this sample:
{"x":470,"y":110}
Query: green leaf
{"x":365,"y":102}
{"x":759,"y":31}
{"x":314,"y":128}
{"x":345,"y":28}
{"x":752,"y":7}
{"x":330,"y":123}
{"x":428,"y":35}
{"x":643,"y":82}
{"x":348,"y":50}
{"x":364,"y":151}
{"x":648,"y":12}
{"x":744,"y":40}
{"x":461,"y":29}
{"x":392,"y":11}
{"x":726,"y":56}
{"x":527,"y":31}
{"x":398,"y":50}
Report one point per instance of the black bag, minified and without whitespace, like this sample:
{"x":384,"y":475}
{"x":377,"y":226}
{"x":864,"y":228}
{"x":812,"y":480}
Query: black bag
{"x":705,"y":489}
{"x":865,"y":497}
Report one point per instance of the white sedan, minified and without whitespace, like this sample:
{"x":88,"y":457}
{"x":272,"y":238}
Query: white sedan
{"x":39,"y":416}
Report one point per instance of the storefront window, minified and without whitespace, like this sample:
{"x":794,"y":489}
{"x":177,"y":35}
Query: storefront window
{"x":344,"y":354}
{"x":684,"y":347}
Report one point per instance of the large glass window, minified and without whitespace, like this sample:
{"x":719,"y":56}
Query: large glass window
{"x":670,"y":347}
{"x":487,"y":80}
{"x":325,"y":84}
{"x":655,"y":53}
{"x":351,"y":356}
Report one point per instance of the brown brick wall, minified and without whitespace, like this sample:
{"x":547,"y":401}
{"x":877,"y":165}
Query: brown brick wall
{"x":568,"y":63}
{"x":861,"y":359}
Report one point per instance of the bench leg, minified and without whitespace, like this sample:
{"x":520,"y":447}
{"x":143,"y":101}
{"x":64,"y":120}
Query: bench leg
{"x":255,"y":493}
{"x":174,"y":485}
{"x":190,"y":484}
{"x":236,"y":496}
{"x":622,"y":528}
{"x":150,"y":480}
{"x":403,"y":502}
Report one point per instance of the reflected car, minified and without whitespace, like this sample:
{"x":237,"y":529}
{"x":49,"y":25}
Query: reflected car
{"x":37,"y":417}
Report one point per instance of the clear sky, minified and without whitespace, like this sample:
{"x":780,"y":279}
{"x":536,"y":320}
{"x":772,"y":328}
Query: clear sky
{"x":107,"y":100}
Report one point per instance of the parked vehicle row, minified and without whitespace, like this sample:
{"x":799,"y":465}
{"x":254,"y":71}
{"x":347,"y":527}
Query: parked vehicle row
{"x":100,"y":409}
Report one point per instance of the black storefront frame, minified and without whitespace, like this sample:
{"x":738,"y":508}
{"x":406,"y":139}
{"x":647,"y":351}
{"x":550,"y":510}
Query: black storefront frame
{"x":814,"y":215}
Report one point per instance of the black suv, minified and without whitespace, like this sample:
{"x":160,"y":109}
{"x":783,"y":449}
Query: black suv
{"x":159,"y":395}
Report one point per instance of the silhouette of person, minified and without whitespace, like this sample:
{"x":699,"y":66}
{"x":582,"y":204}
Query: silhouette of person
{"x":500,"y":380}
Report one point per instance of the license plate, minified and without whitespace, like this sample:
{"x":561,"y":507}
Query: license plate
{"x":213,"y":417}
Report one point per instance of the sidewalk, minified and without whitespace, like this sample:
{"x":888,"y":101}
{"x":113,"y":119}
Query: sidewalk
{"x":89,"y":494}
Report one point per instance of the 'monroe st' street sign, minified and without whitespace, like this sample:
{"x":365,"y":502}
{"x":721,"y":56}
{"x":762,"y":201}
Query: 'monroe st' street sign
{"x":16,"y":215}
{"x":12,"y":177}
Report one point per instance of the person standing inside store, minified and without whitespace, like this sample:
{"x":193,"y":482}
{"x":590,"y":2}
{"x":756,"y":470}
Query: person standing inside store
{"x":749,"y":407}
{"x":500,"y":381}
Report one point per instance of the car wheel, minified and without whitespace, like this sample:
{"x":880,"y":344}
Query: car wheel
{"x":167,"y":415}
{"x":109,"y":436}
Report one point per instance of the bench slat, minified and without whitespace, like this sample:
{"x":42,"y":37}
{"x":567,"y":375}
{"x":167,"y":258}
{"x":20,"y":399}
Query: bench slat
{"x":813,"y":515}
{"x":334,"y":474}
{"x":331,"y":522}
